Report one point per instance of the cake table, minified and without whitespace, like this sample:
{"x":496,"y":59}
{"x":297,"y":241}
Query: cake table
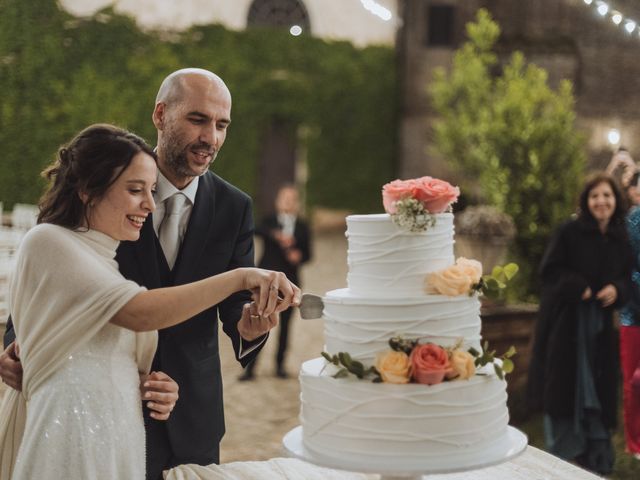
{"x":514,"y":444}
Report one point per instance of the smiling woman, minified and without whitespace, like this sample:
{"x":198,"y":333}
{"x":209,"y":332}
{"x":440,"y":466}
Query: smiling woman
{"x":586,"y":273}
{"x":86,"y":333}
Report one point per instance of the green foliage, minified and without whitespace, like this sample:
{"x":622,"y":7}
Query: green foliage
{"x":58,"y":74}
{"x":489,"y":357}
{"x":349,"y":365}
{"x":494,"y":284}
{"x":512,"y":136}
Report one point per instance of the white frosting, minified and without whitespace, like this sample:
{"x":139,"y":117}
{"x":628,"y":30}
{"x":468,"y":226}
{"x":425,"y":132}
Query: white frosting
{"x":356,"y":423}
{"x":385,"y":424}
{"x":385,"y":260}
{"x":363,"y":326}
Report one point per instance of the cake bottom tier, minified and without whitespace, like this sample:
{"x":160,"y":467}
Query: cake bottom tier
{"x":355,"y":422}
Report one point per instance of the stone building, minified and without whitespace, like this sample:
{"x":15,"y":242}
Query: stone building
{"x":566,"y":37}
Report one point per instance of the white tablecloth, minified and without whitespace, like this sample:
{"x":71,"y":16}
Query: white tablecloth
{"x":532,"y":464}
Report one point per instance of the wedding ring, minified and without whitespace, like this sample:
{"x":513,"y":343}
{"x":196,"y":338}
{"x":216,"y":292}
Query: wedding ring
{"x":255,"y":317}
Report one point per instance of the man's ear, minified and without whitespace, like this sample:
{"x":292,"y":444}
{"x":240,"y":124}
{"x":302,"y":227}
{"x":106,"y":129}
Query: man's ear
{"x":158,"y":115}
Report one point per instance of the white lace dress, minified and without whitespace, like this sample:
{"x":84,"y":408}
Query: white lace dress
{"x":80,"y":419}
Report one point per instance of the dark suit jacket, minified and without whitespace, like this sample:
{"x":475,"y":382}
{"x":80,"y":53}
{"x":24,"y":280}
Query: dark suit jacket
{"x":274,"y":256}
{"x":219,"y":237}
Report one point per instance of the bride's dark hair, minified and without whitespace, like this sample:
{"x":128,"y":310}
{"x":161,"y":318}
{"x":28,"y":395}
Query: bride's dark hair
{"x":87,"y":165}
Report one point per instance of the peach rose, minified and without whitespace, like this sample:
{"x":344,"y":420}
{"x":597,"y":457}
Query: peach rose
{"x":471,"y":268}
{"x":436,"y":195}
{"x":429,"y":363}
{"x":452,"y":281}
{"x":462,"y":365}
{"x":395,"y":191}
{"x":394,"y":367}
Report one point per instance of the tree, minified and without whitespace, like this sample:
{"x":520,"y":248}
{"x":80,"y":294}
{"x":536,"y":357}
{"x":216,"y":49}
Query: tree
{"x":512,"y":137}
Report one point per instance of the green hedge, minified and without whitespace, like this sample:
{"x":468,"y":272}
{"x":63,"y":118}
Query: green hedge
{"x":58,"y":74}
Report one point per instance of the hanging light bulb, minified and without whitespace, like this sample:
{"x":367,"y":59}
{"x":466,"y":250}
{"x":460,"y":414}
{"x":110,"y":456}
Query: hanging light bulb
{"x":603,"y":8}
{"x":613,"y":136}
{"x":630,"y":26}
{"x":616,"y":17}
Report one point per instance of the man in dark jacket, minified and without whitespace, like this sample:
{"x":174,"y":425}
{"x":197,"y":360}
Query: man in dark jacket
{"x":286,"y":247}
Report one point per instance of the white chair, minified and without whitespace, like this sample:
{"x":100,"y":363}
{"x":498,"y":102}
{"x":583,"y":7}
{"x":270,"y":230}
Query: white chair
{"x":24,"y":216}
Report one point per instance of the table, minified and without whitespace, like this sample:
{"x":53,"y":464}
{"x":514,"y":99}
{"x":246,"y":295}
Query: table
{"x":533,"y":464}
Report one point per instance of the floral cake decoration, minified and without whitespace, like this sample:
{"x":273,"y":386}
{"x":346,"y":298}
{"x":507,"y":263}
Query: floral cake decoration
{"x":412,"y":361}
{"x":413,"y":204}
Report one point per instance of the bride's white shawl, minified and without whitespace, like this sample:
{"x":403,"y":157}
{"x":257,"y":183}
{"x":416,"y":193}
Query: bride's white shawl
{"x":65,"y":289}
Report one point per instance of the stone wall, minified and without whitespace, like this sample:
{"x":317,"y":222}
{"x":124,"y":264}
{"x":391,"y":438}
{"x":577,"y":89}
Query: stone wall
{"x":566,"y":37}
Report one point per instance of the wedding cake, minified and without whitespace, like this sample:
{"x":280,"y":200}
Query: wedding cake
{"x":400,"y":263}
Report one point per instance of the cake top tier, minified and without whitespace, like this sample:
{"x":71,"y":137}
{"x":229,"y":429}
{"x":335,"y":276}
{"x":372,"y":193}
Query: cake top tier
{"x":389,"y":261}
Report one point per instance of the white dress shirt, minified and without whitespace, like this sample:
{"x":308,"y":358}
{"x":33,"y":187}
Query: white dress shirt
{"x":166,"y":189}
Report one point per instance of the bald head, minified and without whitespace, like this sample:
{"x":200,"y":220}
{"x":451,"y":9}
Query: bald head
{"x":178,"y":84}
{"x":191,"y":114}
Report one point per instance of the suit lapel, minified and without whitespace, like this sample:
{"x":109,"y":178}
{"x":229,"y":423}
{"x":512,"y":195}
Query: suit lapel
{"x":198,"y":230}
{"x":146,"y":252}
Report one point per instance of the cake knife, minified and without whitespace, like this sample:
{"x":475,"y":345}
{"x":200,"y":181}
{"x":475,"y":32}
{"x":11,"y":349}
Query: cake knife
{"x":311,"y":306}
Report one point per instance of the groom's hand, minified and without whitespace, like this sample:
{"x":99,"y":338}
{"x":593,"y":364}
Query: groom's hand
{"x":251,"y":325}
{"x":10,"y":367}
{"x":160,"y":392}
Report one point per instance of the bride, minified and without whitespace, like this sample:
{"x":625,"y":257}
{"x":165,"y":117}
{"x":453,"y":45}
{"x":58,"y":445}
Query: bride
{"x":85,"y":333}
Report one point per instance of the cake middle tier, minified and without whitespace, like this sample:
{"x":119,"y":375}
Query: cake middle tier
{"x":362,"y":326}
{"x":385,"y":260}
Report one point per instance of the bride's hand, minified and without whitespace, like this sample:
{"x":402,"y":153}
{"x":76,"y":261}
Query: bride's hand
{"x":160,"y":392}
{"x":272,"y":291}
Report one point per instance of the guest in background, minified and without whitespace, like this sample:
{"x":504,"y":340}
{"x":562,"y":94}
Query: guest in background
{"x":622,"y":165}
{"x":574,"y":369}
{"x":630,"y":324}
{"x":286,"y":244}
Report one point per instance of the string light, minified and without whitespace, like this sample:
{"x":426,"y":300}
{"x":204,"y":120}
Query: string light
{"x":630,"y":26}
{"x":616,"y":16}
{"x":377,"y":9}
{"x":602,"y":8}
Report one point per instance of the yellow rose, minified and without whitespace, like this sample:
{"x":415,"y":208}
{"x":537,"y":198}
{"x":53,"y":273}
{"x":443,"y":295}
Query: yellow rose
{"x":452,"y":281}
{"x":471,"y":268}
{"x":394,"y":367}
{"x":462,"y":365}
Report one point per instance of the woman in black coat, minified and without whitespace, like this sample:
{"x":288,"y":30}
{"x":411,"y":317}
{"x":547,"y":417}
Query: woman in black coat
{"x":573,"y":377}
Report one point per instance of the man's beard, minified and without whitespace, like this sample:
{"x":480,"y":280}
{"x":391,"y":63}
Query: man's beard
{"x":176,"y":157}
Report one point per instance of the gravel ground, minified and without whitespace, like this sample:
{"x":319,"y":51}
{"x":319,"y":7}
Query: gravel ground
{"x":259,"y":413}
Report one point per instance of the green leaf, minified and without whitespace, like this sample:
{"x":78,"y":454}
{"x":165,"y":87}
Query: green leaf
{"x":507,"y":365}
{"x":331,"y":359}
{"x":496,"y":272}
{"x":342,"y":373}
{"x":492,"y":284}
{"x":474,"y":352}
{"x":511,"y":352}
{"x":510,"y":270}
{"x":499,"y":371}
{"x":345,"y":359}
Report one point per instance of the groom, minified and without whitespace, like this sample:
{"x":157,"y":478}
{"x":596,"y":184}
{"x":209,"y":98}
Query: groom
{"x":213,"y":226}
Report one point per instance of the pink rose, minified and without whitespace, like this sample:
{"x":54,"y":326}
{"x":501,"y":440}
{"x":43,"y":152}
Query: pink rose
{"x":395,"y":191}
{"x":429,"y":363}
{"x":435,"y":195}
